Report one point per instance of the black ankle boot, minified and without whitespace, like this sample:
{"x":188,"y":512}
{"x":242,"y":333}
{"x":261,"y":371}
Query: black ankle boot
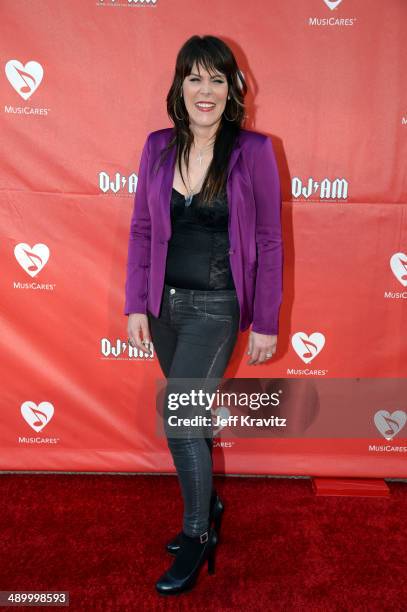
{"x":184,"y":571}
{"x":215,"y":515}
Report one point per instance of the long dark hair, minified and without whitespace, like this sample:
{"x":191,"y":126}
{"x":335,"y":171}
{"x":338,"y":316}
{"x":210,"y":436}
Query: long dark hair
{"x":214,"y":55}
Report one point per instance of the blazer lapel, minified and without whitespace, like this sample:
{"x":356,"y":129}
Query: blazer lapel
{"x":234,"y":155}
{"x":165,"y":191}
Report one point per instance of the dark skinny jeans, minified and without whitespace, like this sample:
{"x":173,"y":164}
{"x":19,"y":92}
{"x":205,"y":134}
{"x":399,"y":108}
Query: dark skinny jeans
{"x":194,"y":337}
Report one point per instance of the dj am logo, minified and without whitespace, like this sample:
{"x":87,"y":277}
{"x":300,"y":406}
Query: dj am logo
{"x":313,"y":190}
{"x":37,"y":416}
{"x":119,"y":349}
{"x":31,"y":259}
{"x":389,"y":425}
{"x":117,"y":183}
{"x":307,"y":346}
{"x":332,"y":4}
{"x":24,"y":79}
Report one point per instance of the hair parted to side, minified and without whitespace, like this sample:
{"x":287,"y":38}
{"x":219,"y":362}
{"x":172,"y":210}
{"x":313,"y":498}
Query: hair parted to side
{"x":215,"y":56}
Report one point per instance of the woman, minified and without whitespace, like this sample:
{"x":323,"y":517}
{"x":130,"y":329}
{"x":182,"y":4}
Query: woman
{"x":204,"y":262}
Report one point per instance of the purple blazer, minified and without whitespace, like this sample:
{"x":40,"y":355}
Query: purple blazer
{"x":256,"y":246}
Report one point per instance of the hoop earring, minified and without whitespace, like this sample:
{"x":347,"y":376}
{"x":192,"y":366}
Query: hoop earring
{"x":175,"y":112}
{"x":227,"y":118}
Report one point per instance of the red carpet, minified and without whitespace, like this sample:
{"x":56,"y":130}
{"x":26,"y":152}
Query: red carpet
{"x":102,"y":539}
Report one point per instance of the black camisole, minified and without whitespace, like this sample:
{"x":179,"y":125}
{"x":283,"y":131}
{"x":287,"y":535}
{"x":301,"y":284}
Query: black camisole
{"x":198,"y":250}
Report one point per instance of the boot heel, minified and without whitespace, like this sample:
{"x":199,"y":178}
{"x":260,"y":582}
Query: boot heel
{"x":217,"y":515}
{"x":211,"y":553}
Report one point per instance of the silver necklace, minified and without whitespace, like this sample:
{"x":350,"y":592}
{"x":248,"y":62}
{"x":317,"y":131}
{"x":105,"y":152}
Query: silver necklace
{"x":190,"y":194}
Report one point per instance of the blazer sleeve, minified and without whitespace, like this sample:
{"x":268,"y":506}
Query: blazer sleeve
{"x":269,"y":275}
{"x":138,"y":256}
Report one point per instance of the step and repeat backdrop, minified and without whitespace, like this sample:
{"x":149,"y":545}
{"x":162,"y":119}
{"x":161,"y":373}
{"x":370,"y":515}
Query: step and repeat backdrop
{"x":83,"y":83}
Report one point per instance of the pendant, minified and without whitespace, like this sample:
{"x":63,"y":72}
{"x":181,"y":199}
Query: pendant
{"x":188,"y":199}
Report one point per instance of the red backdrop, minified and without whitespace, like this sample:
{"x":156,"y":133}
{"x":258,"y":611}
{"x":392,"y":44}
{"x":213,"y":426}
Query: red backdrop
{"x":83,"y":83}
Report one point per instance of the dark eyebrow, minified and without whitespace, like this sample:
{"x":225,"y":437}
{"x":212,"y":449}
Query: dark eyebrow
{"x":217,"y":76}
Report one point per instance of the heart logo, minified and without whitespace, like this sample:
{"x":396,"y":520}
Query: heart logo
{"x":308,"y":347}
{"x":37,"y":416}
{"x":389,"y":425}
{"x":31,"y":259}
{"x":398,"y":265}
{"x":332,"y":4}
{"x":24,"y":79}
{"x":223,"y":413}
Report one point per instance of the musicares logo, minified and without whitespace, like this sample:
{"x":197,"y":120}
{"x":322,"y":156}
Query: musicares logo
{"x":389,"y":425}
{"x":307,"y":346}
{"x":223,"y":413}
{"x":25,"y":79}
{"x":332,"y":4}
{"x":31,"y":259}
{"x":398,"y":265}
{"x":37,"y":416}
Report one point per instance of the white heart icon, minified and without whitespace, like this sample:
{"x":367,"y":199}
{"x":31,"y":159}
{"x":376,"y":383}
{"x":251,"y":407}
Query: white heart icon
{"x":332,"y":4}
{"x":37,"y":416}
{"x":388,"y":424}
{"x":24,"y":79}
{"x":398,"y":265}
{"x":31,"y":259}
{"x":307,"y":347}
{"x":223,"y":413}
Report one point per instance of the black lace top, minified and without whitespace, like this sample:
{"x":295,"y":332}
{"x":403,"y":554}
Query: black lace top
{"x":198,"y":250}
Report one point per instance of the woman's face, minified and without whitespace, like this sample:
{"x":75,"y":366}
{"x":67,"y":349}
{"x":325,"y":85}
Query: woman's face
{"x":201,"y":87}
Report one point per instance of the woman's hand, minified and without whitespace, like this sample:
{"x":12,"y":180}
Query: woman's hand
{"x":138,"y":331}
{"x":261,"y":347}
